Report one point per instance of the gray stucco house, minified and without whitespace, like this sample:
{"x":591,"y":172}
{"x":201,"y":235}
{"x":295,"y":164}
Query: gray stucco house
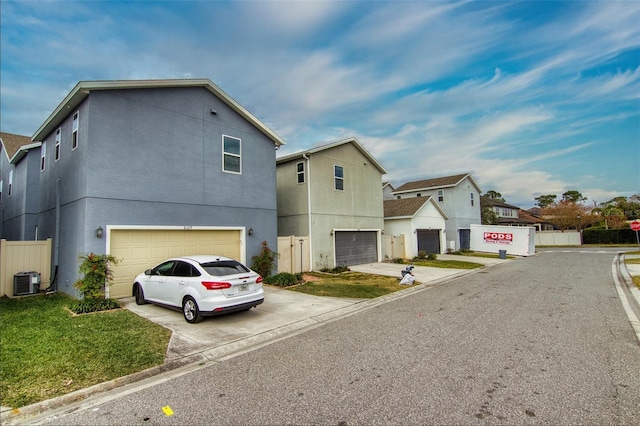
{"x":19,"y":187}
{"x":333,"y":194}
{"x":459,"y":198}
{"x":144,"y":170}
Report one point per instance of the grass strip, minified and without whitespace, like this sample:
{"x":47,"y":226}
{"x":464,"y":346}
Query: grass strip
{"x":45,"y":351}
{"x":349,"y":284}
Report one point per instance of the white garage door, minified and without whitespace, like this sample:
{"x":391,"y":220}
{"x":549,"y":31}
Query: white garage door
{"x":138,"y":250}
{"x":356,"y":247}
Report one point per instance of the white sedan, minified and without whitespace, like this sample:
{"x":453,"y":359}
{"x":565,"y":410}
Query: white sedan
{"x":200,"y":285}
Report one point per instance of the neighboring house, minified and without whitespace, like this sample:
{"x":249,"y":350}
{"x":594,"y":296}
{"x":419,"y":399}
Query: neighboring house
{"x":420,"y":220}
{"x":533,"y":215}
{"x":387,"y":191}
{"x":144,"y":170}
{"x":332,"y":194}
{"x":459,"y":198}
{"x":509,"y":215}
{"x":19,"y":187}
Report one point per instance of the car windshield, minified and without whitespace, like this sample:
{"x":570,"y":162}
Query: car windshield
{"x":224,"y":267}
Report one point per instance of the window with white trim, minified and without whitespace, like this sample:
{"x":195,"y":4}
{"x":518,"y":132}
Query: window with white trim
{"x":300,"y":171}
{"x":338,"y":178}
{"x":43,"y":155}
{"x":57,"y":146}
{"x":440,"y":195}
{"x":10,"y":182}
{"x":1,"y":183}
{"x":471,"y":198}
{"x":74,"y":132}
{"x":231,"y":154}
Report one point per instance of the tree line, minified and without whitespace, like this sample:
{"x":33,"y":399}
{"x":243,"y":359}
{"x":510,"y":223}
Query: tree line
{"x":571,"y":211}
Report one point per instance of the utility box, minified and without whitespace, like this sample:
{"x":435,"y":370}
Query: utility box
{"x":26,"y":283}
{"x":503,"y":240}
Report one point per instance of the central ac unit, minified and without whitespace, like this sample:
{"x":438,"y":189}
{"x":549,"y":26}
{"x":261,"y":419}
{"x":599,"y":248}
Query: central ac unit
{"x":26,"y":283}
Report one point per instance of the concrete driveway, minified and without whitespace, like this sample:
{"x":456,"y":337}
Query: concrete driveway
{"x":282,"y":313}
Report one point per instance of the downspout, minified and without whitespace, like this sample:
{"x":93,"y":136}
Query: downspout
{"x":309,"y":209}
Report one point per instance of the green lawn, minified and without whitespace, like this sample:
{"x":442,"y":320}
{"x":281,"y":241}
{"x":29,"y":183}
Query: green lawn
{"x":349,"y":284}
{"x":46,"y":352}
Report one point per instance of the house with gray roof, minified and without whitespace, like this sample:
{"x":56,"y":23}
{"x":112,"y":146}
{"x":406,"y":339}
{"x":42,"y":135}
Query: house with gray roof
{"x":420,"y":220}
{"x":458,"y":196}
{"x":143,"y":170}
{"x":333,"y":194}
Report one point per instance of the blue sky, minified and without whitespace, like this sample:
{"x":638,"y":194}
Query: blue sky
{"x":529,"y":97}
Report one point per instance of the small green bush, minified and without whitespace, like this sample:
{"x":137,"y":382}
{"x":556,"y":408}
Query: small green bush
{"x":97,"y":275}
{"x":93,"y":305}
{"x":422,"y":254}
{"x":283,"y":279}
{"x":265,"y":262}
{"x":432,"y":256}
{"x":398,"y":260}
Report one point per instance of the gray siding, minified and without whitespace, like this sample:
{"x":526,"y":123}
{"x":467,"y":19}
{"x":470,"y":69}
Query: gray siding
{"x":154,"y":157}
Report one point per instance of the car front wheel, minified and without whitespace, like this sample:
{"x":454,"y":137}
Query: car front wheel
{"x":139,"y":295}
{"x":190,"y":310}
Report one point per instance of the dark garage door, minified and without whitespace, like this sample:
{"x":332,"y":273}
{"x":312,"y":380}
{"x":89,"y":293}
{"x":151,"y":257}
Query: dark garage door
{"x":356,"y":247}
{"x":429,"y":240}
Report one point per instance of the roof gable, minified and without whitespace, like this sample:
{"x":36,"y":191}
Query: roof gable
{"x":496,"y":203}
{"x":408,"y":207}
{"x":325,"y":147}
{"x":16,"y":146}
{"x":84,"y":88}
{"x":435,"y":183}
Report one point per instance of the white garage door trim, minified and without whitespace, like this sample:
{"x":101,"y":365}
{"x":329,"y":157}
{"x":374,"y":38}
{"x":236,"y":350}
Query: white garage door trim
{"x":241,"y":230}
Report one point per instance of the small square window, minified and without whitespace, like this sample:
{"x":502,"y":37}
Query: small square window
{"x":231,"y":154}
{"x":338,"y":177}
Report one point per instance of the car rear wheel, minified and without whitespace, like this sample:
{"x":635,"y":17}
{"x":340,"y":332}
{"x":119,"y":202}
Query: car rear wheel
{"x":190,"y":310}
{"x":138,"y":293}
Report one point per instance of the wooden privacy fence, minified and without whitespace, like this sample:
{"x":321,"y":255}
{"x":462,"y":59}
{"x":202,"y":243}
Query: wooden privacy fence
{"x":24,"y":256}
{"x":293,"y":254}
{"x":393,"y":246}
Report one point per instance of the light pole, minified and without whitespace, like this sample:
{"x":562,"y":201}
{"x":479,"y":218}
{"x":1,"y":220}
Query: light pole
{"x":301,"y":242}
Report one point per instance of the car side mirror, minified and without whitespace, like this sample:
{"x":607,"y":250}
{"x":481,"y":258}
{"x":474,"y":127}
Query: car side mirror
{"x":148,"y":272}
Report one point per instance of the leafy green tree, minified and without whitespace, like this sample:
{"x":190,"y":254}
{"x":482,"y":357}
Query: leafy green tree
{"x":545,"y":201}
{"x":573,"y":196}
{"x":487,"y":215}
{"x":493,"y":195}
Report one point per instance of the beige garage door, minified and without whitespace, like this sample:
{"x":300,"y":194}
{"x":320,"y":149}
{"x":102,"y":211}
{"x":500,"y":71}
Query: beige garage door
{"x":143,"y":249}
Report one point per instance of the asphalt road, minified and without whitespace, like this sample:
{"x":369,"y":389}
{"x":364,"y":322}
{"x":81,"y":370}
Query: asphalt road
{"x":539,"y":340}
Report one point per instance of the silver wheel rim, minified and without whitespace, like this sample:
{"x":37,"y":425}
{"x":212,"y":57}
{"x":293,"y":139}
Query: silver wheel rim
{"x":189,"y":309}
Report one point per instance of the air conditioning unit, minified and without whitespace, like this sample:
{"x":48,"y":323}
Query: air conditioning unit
{"x":26,"y":283}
